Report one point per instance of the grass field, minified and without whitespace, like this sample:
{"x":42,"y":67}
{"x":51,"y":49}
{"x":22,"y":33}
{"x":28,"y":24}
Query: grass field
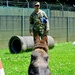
{"x":61,"y":60}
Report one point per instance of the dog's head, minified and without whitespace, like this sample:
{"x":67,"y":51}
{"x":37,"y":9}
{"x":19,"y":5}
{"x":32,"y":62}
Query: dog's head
{"x":39,"y":63}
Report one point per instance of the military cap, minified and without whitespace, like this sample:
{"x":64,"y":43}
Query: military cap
{"x":37,"y":3}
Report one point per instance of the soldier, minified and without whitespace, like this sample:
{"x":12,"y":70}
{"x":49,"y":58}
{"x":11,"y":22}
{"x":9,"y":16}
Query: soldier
{"x":39,"y":24}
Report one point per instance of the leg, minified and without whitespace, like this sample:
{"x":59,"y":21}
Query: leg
{"x":44,"y":35}
{"x":35,"y":34}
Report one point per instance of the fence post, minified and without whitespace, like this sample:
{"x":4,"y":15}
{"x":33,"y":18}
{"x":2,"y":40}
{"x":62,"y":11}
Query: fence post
{"x":22,"y":23}
{"x":28,"y":6}
{"x":62,"y":10}
{"x":47,"y":8}
{"x":67,"y":29}
{"x":7,"y":3}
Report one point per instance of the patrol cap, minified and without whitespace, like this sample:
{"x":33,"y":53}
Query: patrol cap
{"x":37,"y":3}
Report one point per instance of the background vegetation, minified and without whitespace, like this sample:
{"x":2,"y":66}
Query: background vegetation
{"x":67,"y":2}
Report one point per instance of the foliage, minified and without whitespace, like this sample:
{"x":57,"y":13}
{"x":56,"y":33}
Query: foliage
{"x":61,"y":60}
{"x":69,"y":2}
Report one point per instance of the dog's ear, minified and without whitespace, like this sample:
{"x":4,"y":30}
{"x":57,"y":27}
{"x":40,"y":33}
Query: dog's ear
{"x":37,"y":38}
{"x":45,"y":39}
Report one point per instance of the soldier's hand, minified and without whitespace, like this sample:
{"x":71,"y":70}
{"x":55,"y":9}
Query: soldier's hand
{"x":31,"y":33}
{"x":47,"y":31}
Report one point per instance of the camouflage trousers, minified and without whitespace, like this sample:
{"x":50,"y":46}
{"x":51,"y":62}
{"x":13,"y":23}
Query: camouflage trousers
{"x":39,"y":30}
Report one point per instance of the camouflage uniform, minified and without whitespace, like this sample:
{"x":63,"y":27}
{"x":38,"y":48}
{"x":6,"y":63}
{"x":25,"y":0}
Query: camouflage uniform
{"x":37,"y":26}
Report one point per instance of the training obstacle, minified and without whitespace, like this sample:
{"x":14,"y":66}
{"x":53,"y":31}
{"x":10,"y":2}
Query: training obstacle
{"x":19,"y":44}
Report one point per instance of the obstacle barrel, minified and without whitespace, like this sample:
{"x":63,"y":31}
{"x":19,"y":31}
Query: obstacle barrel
{"x":19,"y":44}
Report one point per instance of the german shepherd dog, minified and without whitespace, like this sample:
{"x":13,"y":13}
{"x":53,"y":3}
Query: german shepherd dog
{"x":39,"y":58}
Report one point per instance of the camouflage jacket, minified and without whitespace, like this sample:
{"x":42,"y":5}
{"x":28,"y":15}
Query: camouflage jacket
{"x":35,"y":19}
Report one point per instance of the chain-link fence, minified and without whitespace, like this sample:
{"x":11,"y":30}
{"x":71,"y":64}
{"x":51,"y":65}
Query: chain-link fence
{"x":61,"y":18}
{"x":62,"y":29}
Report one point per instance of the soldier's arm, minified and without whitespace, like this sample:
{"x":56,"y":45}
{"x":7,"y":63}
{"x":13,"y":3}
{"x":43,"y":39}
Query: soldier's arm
{"x":47,"y":24}
{"x":31,"y":24}
{"x":47,"y":20}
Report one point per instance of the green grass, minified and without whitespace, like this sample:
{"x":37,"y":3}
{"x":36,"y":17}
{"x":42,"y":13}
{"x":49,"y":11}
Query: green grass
{"x":61,"y":60}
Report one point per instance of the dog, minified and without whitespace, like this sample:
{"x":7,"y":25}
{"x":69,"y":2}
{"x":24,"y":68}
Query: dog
{"x":39,"y":58}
